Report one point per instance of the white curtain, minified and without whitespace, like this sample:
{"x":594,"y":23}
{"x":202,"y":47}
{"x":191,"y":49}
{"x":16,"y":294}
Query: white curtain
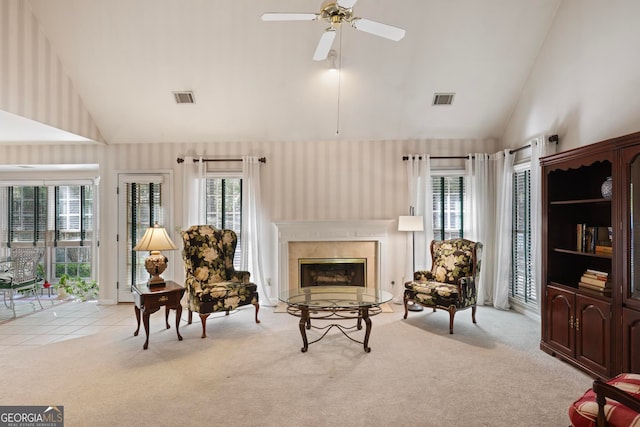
{"x":539,"y":147}
{"x":489,"y":195}
{"x":193,"y":193}
{"x":420,"y":199}
{"x":251,"y":253}
{"x":503,"y":229}
{"x":479,"y":219}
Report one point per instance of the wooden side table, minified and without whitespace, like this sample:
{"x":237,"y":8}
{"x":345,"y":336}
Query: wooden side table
{"x":149,"y":300}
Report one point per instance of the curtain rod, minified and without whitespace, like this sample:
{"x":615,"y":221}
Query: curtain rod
{"x":552,"y":138}
{"x":181,"y":160}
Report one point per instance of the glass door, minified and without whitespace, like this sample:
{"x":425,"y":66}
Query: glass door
{"x":631,"y":198}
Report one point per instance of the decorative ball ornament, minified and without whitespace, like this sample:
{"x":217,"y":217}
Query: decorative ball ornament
{"x":606,"y":188}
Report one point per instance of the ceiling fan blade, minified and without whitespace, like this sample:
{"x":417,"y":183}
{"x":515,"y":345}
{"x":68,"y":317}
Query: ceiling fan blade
{"x":289,"y":16}
{"x":378,"y":29}
{"x":324,"y":45}
{"x":347,"y":4}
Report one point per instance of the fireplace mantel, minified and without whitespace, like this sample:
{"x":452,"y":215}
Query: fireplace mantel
{"x":331,"y":231}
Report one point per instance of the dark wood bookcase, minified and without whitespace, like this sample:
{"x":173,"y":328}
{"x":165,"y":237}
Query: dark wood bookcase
{"x":598,"y":332}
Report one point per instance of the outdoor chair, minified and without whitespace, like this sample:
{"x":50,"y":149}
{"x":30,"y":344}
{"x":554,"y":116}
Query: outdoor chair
{"x":451,"y":283}
{"x":212,"y":284}
{"x":19,"y":274}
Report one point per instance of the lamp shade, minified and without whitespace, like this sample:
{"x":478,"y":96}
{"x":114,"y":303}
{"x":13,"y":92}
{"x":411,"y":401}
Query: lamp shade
{"x":155,"y":239}
{"x":410,"y":223}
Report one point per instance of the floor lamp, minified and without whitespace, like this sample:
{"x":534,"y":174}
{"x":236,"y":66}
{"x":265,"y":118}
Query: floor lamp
{"x":412,"y":223}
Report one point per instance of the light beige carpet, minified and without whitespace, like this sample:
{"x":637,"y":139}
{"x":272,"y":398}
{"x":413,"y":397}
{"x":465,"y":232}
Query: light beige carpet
{"x":245,"y":374}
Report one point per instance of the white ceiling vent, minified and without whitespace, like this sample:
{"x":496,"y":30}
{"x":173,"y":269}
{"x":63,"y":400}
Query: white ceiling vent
{"x":185,"y":97}
{"x":443,"y":98}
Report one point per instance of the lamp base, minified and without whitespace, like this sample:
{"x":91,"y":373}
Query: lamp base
{"x":156,"y":264}
{"x":156,"y":282}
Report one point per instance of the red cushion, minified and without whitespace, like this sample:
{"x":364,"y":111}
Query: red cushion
{"x":584,"y":411}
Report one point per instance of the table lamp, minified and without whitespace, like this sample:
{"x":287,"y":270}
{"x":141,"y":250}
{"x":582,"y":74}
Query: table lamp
{"x":412,"y":223}
{"x":155,"y":239}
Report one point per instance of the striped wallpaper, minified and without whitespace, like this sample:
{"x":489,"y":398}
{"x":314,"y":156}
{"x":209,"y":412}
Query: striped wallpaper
{"x":327,"y":180}
{"x":33,"y":83}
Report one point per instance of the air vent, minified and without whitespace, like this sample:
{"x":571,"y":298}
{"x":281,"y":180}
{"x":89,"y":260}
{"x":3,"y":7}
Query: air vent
{"x":443,"y":98}
{"x":184,"y":97}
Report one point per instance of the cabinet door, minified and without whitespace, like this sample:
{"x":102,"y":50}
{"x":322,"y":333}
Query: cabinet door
{"x":631,"y":340}
{"x":593,"y":333}
{"x":560,"y":320}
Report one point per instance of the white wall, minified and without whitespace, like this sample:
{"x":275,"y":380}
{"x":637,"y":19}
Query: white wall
{"x":584,"y":84}
{"x":331,"y":180}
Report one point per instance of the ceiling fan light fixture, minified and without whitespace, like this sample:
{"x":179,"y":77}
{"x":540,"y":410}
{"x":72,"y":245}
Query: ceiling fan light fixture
{"x":332,"y":58}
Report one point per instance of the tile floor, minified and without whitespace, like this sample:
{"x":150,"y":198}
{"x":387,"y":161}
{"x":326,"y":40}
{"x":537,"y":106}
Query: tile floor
{"x":67,"y":320}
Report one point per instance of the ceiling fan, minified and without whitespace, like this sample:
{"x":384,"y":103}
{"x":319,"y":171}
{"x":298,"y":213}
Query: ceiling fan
{"x":336,"y":13}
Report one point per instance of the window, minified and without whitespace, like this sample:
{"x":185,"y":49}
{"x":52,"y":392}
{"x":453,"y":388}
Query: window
{"x":223,"y":206}
{"x":57,"y":218}
{"x":448,"y":207}
{"x":522,"y":286}
{"x":27,"y":211}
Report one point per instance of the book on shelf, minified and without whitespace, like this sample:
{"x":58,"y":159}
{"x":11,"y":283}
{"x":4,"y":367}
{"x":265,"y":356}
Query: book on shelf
{"x":600,"y":292}
{"x":604,"y":249}
{"x":597,"y":273}
{"x":593,"y":239}
{"x":595,"y":282}
{"x":580,"y":233}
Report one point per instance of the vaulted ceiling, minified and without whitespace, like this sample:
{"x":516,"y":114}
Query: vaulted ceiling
{"x":256,"y":81}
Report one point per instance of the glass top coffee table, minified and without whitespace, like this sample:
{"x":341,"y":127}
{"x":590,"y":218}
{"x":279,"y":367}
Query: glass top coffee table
{"x":334,"y":303}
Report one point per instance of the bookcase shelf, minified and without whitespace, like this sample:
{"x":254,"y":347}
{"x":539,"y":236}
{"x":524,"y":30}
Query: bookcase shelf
{"x":580,"y":202}
{"x":580,"y":253}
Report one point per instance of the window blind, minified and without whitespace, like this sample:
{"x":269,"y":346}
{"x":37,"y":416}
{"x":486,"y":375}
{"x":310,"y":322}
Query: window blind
{"x":522,"y":287}
{"x":448,"y":206}
{"x":223,"y":206}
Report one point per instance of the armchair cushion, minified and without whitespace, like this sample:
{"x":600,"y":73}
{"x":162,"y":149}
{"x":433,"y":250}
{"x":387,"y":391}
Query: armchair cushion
{"x":452,"y":259}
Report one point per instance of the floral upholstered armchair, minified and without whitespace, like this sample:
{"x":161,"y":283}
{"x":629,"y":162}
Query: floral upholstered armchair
{"x":212,"y":284}
{"x":451,"y":283}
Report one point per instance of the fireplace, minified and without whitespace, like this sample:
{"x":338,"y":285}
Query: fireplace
{"x":330,"y":260}
{"x":332,"y":272}
{"x":332,"y":242}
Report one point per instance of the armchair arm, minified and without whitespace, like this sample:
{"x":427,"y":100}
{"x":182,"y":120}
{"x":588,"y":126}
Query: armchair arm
{"x":422,"y":275}
{"x":602,"y":390}
{"x":467,"y":287}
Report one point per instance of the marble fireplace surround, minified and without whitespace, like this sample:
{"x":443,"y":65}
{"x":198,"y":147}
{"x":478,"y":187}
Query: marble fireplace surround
{"x":332,"y":239}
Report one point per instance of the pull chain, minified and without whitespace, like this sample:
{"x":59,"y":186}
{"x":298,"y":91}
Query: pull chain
{"x":339,"y":81}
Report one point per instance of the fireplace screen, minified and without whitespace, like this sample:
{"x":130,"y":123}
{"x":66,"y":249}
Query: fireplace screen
{"x":332,"y":271}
